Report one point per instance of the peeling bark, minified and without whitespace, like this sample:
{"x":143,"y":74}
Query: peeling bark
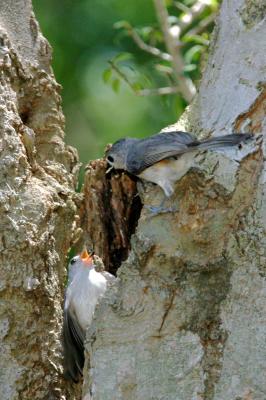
{"x":185,"y":317}
{"x":37,"y":200}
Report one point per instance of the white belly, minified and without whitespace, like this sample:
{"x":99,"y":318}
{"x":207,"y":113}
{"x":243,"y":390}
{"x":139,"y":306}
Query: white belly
{"x":85,"y":290}
{"x":166,"y":172}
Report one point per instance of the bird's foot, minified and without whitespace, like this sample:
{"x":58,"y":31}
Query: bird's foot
{"x":160,"y":210}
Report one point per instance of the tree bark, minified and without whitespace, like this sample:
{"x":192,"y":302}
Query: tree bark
{"x":185,"y":317}
{"x":37,"y":200}
{"x":110,"y":214}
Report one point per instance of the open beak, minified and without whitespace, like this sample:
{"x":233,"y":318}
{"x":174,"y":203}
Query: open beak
{"x":86,"y":257}
{"x":109,"y":169}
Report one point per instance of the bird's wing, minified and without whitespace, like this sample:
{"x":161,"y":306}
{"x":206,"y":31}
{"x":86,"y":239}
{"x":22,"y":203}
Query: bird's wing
{"x":151,"y":150}
{"x":74,"y":337}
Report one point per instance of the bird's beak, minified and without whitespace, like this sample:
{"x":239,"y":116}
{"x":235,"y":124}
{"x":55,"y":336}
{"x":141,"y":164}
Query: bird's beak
{"x":109,"y":169}
{"x":86,"y":257}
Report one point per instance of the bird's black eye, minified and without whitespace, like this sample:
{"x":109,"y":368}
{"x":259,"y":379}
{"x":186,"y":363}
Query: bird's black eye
{"x":110,"y":158}
{"x":73,"y":260}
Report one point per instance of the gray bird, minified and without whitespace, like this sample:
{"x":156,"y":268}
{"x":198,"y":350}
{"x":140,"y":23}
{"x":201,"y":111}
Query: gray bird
{"x":164,"y":157}
{"x":85,"y":287}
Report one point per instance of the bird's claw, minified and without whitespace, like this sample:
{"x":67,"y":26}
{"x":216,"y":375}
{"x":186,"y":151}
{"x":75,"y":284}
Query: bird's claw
{"x":156,"y":210}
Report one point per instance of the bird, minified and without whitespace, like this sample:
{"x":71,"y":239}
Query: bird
{"x":84,"y":289}
{"x":165,"y":157}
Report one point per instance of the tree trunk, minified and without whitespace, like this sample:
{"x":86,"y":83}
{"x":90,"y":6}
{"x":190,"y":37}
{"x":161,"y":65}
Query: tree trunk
{"x":185,"y":318}
{"x":37,"y":200}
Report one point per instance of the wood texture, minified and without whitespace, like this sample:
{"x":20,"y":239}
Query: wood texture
{"x":111,"y":211}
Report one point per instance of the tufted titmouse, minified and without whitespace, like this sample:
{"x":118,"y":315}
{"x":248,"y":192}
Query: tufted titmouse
{"x":165,"y":157}
{"x":85,"y":286}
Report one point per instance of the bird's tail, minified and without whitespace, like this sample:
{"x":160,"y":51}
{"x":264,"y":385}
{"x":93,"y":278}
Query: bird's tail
{"x":225,"y":141}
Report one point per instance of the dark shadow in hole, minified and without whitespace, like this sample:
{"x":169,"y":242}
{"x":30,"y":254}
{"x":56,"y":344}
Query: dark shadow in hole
{"x":118,"y":254}
{"x":25,"y":116}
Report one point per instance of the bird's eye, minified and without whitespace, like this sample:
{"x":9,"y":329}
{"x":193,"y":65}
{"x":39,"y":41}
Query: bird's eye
{"x":110,"y":158}
{"x":73,"y":260}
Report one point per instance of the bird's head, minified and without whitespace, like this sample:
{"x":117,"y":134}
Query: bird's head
{"x":84,"y":258}
{"x":116,"y":155}
{"x":80,"y":262}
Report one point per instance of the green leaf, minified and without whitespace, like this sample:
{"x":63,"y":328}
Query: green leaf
{"x":193,"y":53}
{"x":189,"y":2}
{"x":157,"y":35}
{"x":116,"y":85}
{"x":107,"y":73}
{"x":205,"y":35}
{"x":214,"y":4}
{"x":165,"y":69}
{"x":172,"y":19}
{"x":168,"y":3}
{"x":137,"y":86}
{"x":145,"y":32}
{"x":190,"y":67}
{"x":122,"y":57}
{"x":145,"y":80}
{"x":195,"y":38}
{"x":122,"y":24}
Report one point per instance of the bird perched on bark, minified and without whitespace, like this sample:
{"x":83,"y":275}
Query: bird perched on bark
{"x":164,"y":157}
{"x":85,"y":287}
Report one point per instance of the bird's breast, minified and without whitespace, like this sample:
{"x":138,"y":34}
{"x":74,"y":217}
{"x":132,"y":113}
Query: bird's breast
{"x":169,"y":169}
{"x":86,"y":290}
{"x":166,"y":172}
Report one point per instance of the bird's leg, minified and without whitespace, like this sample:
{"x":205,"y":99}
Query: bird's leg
{"x":168,"y":191}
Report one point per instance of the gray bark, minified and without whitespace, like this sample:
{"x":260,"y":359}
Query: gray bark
{"x":37,"y":180}
{"x":186,"y":317}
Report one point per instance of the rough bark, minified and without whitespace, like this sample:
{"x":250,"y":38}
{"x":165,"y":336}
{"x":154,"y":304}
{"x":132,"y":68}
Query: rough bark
{"x":37,"y":202}
{"x":110,"y":214}
{"x":185,"y":317}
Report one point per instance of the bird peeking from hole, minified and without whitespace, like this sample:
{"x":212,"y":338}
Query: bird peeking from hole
{"x":84,"y":289}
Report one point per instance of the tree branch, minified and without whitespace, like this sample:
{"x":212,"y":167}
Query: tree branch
{"x":143,"y":92}
{"x":163,"y":91}
{"x":122,"y":75}
{"x":146,"y":47}
{"x":190,"y":13}
{"x":185,"y":85}
{"x":202,"y":25}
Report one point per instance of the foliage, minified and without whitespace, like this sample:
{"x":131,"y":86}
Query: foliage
{"x":190,"y":23}
{"x":83,"y":38}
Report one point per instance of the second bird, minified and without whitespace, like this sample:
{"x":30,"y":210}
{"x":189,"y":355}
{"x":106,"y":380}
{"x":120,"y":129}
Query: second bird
{"x":85,"y":287}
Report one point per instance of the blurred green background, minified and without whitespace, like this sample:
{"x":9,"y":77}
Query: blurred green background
{"x":83,"y":39}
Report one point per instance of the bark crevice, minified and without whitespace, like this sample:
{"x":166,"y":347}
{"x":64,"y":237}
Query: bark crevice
{"x":111,"y":211}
